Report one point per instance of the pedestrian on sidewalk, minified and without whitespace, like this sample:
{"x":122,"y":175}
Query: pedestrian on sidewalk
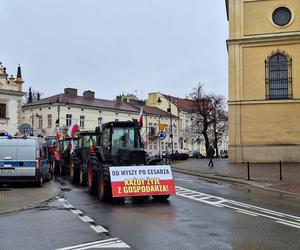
{"x":210,"y":155}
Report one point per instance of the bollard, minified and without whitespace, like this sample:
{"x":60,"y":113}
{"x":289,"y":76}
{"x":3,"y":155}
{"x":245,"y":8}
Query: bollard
{"x":280,"y":170}
{"x":248,"y":167}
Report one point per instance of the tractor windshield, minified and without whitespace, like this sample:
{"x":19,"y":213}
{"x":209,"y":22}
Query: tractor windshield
{"x":124,"y":138}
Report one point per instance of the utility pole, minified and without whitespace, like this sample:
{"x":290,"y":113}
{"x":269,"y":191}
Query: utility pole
{"x":171,"y":126}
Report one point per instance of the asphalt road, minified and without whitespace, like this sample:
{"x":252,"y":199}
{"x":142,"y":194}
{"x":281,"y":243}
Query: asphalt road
{"x":203,"y":215}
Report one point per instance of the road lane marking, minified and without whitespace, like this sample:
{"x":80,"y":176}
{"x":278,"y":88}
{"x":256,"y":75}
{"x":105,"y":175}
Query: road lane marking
{"x":283,"y":218}
{"x":86,"y":218}
{"x":288,"y":224}
{"x":246,"y":212}
{"x":76,"y":211}
{"x":99,"y":229}
{"x":67,"y":205}
{"x":109,"y":243}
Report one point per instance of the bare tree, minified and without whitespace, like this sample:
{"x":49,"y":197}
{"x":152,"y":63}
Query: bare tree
{"x":32,"y":96}
{"x":203,"y":114}
{"x":209,"y":117}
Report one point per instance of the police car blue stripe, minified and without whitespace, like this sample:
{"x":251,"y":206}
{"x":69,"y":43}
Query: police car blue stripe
{"x":18,"y":163}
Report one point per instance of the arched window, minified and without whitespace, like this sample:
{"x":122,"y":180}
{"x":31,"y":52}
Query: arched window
{"x":279,"y":77}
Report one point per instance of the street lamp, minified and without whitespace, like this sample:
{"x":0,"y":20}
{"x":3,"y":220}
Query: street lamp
{"x":171,"y":129}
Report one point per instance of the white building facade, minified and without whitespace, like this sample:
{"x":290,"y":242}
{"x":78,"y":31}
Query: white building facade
{"x":10,"y":101}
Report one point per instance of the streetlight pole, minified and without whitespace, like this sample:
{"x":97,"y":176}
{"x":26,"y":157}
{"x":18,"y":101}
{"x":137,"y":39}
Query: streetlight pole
{"x":171,"y":126}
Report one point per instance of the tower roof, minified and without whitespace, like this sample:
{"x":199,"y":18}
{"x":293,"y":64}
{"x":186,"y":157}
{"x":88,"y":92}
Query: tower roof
{"x":19,"y":74}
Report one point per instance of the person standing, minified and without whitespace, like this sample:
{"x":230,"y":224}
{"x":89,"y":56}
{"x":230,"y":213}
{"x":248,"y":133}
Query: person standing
{"x":210,"y":155}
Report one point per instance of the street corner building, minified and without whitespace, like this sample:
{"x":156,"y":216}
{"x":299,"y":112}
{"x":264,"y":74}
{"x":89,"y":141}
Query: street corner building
{"x":264,"y":80}
{"x":10,"y":101}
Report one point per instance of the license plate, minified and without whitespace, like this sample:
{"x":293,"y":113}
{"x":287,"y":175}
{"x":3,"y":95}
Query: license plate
{"x":7,"y":171}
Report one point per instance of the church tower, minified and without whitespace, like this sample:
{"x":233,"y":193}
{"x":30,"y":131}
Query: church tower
{"x":264,"y":80}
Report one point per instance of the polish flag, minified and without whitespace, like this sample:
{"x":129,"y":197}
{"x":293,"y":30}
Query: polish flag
{"x":92,"y":147}
{"x":72,"y":130}
{"x":141,"y":117}
{"x":57,"y":134}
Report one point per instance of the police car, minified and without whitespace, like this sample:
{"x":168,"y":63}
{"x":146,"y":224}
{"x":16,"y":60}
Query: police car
{"x":24,"y":159}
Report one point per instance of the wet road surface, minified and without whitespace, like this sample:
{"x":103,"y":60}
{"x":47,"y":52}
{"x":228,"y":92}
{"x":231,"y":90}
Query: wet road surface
{"x":203,"y":215}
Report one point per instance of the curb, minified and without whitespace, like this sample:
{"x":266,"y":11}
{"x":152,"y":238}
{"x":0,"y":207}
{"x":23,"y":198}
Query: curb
{"x":231,"y":179}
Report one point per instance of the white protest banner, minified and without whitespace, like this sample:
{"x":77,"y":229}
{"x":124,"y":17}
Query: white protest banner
{"x":141,"y":180}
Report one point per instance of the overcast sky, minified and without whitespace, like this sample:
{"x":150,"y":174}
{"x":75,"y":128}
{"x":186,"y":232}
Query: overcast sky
{"x":116,"y":46}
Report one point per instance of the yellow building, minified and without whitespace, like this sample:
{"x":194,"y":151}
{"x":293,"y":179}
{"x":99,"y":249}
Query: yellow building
{"x":264,"y":80}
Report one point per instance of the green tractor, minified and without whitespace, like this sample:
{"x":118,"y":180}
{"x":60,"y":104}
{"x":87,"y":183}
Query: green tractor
{"x":81,"y":157}
{"x":117,"y":144}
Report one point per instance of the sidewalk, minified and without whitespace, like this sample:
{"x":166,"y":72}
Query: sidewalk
{"x":16,"y":197}
{"x":263,"y":175}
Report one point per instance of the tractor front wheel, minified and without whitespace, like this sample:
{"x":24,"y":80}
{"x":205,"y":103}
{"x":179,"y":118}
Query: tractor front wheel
{"x":104,"y":185}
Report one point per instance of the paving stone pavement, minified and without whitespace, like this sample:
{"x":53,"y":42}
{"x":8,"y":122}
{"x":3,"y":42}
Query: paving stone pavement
{"x":23,"y":196}
{"x":264,"y":175}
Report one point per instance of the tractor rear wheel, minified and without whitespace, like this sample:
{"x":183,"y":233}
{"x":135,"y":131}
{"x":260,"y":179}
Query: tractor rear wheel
{"x":104,"y":185}
{"x":92,"y":176}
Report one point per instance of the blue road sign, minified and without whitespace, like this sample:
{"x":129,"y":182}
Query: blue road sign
{"x":162,"y":135}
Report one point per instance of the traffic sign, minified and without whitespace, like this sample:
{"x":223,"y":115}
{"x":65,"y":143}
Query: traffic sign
{"x":162,"y":126}
{"x":162,"y":135}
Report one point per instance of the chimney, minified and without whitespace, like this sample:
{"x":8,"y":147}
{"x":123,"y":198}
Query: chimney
{"x":119,"y":99}
{"x":89,"y":94}
{"x":70,"y":91}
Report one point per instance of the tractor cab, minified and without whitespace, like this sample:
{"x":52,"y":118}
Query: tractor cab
{"x":121,"y":143}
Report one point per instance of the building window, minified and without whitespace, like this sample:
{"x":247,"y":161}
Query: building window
{"x":2,"y":110}
{"x":174,"y":130}
{"x":162,"y":145}
{"x":282,"y":16}
{"x":154,"y":145}
{"x":279,"y":77}
{"x":40,"y":121}
{"x":150,"y":145}
{"x":49,"y":120}
{"x":68,"y":119}
{"x":81,"y":121}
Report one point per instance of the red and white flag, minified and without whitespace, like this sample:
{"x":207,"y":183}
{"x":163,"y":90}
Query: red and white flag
{"x":92,"y":147}
{"x":73,"y":129}
{"x":57,"y":134}
{"x":141,"y":117}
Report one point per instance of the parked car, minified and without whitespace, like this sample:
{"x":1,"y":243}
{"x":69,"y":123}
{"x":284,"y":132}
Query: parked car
{"x":194,"y":154}
{"x":24,"y":159}
{"x":224,"y":153}
{"x":151,"y":158}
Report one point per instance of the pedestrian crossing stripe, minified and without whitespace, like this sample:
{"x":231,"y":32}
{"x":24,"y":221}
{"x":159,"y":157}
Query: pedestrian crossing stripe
{"x":244,"y":208}
{"x":108,"y":243}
